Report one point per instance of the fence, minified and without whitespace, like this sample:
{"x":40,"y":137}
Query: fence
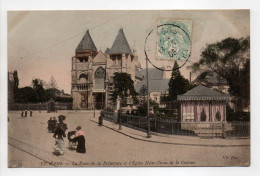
{"x":38,"y":106}
{"x":171,"y":126}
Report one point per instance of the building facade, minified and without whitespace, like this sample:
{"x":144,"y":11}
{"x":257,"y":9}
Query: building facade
{"x":158,"y":84}
{"x":92,"y":71}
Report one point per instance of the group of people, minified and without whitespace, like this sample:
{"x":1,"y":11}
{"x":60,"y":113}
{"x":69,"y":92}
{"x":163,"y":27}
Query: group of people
{"x":59,"y":135}
{"x":24,"y":113}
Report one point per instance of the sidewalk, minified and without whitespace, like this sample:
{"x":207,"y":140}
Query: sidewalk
{"x":174,"y":139}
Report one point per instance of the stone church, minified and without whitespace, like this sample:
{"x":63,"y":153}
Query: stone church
{"x":92,"y":71}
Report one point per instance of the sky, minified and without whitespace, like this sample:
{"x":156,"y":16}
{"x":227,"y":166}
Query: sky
{"x":42,"y":43}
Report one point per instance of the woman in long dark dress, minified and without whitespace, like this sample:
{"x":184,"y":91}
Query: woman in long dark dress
{"x":80,"y":139}
{"x":59,"y":134}
{"x":49,"y":125}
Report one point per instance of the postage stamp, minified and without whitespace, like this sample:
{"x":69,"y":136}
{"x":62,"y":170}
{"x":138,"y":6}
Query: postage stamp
{"x":174,"y":39}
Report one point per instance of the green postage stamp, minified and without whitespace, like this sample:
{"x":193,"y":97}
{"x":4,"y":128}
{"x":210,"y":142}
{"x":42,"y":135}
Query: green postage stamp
{"x":173,"y":39}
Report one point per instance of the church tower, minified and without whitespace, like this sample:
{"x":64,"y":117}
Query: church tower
{"x":120,"y":55}
{"x":120,"y":59}
{"x":82,"y":73}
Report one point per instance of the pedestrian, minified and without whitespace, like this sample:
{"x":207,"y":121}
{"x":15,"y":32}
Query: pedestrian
{"x":59,"y":134}
{"x":80,"y":139}
{"x":22,"y":114}
{"x":54,"y":121}
{"x":31,"y":113}
{"x":50,"y":125}
{"x":25,"y":113}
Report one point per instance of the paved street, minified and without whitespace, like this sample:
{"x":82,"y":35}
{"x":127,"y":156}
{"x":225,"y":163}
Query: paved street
{"x":30,"y":145}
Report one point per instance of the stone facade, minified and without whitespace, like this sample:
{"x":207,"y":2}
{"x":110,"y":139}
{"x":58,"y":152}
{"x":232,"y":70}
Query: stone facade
{"x":92,"y":71}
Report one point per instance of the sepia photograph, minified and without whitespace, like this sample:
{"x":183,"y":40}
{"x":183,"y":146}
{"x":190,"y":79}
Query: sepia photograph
{"x":128,"y":88}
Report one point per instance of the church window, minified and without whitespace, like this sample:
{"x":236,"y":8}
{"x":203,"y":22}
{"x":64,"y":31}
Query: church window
{"x":100,"y":76}
{"x":113,"y":58}
{"x":83,"y":78}
{"x":83,"y":59}
{"x":119,"y":58}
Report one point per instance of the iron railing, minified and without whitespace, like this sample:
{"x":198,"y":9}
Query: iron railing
{"x":172,"y":126}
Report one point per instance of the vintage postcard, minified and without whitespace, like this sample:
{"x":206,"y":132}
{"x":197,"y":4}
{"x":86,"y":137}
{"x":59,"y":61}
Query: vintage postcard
{"x":128,"y":88}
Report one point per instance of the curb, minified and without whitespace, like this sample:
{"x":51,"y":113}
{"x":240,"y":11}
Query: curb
{"x":196,"y":145}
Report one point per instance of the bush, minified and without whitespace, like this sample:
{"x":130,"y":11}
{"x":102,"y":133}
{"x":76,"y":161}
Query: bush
{"x":237,"y":116}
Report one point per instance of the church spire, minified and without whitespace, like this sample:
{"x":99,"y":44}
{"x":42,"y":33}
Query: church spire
{"x":86,"y":43}
{"x":120,"y":45}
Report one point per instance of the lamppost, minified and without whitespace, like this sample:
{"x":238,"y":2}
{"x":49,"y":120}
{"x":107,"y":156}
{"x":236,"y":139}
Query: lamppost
{"x":148,"y":117}
{"x":120,"y":113}
{"x":94,"y":104}
{"x":185,"y":35}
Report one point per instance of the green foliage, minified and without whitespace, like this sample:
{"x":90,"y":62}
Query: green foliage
{"x":26,"y":95}
{"x":178,"y":84}
{"x":237,"y":116}
{"x":16,"y":80}
{"x":143,"y":91}
{"x":142,"y":109}
{"x":52,"y":83}
{"x":123,"y":82}
{"x":40,"y":91}
{"x":240,"y":85}
{"x":50,"y":93}
{"x":142,"y":95}
{"x":15,"y":84}
{"x":36,"y":93}
{"x":230,"y":60}
{"x":155,"y":105}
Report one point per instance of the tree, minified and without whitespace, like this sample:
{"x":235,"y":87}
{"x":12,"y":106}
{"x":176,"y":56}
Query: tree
{"x":178,"y":84}
{"x":230,"y":60}
{"x":51,"y":93}
{"x":52,"y":83}
{"x":40,"y":91}
{"x":123,"y":82}
{"x":26,"y":95}
{"x":15,"y":84}
{"x":142,"y":108}
{"x":143,"y":90}
{"x":15,"y":80}
{"x":142,"y":94}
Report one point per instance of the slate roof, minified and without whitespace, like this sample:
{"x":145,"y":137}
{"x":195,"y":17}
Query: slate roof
{"x":100,"y":58}
{"x":201,"y":92}
{"x":211,"y":78}
{"x":120,"y":45}
{"x":154,"y":85}
{"x":86,"y":43}
{"x":107,"y":50}
{"x":138,"y":73}
{"x":156,"y":81}
{"x":214,"y":78}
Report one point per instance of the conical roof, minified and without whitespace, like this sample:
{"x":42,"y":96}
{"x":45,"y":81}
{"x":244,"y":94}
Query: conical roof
{"x":86,"y":43}
{"x":201,"y":92}
{"x":120,"y":45}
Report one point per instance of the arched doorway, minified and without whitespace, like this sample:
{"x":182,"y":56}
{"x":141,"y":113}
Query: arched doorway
{"x":100,"y":100}
{"x":84,"y":104}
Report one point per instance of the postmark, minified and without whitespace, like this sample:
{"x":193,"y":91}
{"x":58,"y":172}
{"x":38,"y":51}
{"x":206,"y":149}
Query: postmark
{"x":173,"y":39}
